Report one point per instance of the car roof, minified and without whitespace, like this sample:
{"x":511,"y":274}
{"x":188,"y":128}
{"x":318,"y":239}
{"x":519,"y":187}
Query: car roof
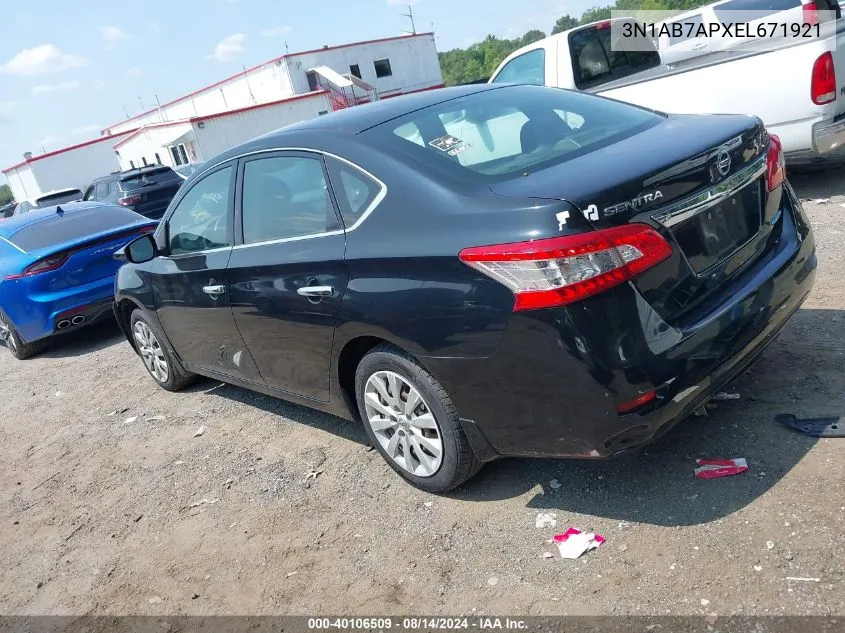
{"x":354,"y":120}
{"x":17,"y":222}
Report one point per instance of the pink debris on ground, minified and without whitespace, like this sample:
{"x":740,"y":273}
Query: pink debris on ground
{"x":712,"y":468}
{"x":574,"y":542}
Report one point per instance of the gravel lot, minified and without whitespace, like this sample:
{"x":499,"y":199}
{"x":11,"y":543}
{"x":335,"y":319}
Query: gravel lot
{"x":110,"y":504}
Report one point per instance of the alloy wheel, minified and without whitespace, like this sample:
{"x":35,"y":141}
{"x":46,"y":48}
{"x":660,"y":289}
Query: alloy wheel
{"x":151,"y":351}
{"x":403,"y":423}
{"x":6,"y":334}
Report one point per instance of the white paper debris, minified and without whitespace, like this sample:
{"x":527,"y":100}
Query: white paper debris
{"x":548,"y":555}
{"x":546,"y":520}
{"x":577,"y":544}
{"x":131,"y":420}
{"x":158,"y":418}
{"x":704,"y":602}
{"x":493,"y":581}
{"x":758,"y":568}
{"x":770,"y":545}
{"x":724,"y":395}
{"x":197,"y":504}
{"x":200,"y":431}
{"x":821,"y":200}
{"x":803,"y":579}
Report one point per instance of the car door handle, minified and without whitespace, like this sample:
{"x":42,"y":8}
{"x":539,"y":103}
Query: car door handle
{"x":214,"y":291}
{"x":315,"y":291}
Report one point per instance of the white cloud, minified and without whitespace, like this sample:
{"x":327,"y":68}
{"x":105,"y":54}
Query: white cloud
{"x":112,"y":33}
{"x":276,"y":31}
{"x":65,"y":86}
{"x":134,"y":71}
{"x":228,"y":48}
{"x":48,"y":140}
{"x":87,"y":129}
{"x":99,"y":84}
{"x":153,"y":27}
{"x":46,"y":58}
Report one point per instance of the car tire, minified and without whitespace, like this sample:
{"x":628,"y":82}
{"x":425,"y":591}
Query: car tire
{"x":158,"y":359}
{"x":433,"y":423}
{"x":15,"y":344}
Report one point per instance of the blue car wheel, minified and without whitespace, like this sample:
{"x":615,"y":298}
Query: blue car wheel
{"x":9,"y":335}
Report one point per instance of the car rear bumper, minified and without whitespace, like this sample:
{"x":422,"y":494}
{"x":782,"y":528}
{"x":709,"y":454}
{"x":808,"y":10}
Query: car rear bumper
{"x":38,"y":316}
{"x":554,"y":386}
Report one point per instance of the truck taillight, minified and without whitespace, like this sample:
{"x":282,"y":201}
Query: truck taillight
{"x":811,"y":13}
{"x":128,"y":201}
{"x":561,"y":270}
{"x":775,"y":164}
{"x":823,"y":81}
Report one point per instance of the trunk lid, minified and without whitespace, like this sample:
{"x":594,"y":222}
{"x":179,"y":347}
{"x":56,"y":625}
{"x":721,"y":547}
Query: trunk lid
{"x":699,"y":180}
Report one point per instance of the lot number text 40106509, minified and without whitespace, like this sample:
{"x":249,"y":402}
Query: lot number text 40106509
{"x":415,"y":623}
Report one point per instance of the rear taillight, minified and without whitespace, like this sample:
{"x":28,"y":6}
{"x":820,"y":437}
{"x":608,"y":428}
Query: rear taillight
{"x":128,"y":201}
{"x":775,"y":164}
{"x":823,"y":81}
{"x":561,"y":270}
{"x":811,"y":13}
{"x":45,"y":265}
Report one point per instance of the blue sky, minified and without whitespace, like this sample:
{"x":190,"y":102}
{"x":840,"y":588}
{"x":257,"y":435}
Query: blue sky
{"x":68,"y":69}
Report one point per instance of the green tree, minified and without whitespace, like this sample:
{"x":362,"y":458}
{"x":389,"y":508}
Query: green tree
{"x":564,"y":23}
{"x":595,"y":14}
{"x":532,"y":36}
{"x":6,"y":195}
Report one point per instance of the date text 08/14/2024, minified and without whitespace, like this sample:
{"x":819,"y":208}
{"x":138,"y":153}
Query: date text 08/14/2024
{"x":415,"y":623}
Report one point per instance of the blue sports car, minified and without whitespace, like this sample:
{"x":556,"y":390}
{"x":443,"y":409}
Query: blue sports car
{"x":57,"y":269}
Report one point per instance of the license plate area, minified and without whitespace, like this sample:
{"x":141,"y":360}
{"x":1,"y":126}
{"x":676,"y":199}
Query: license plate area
{"x":712,"y":235}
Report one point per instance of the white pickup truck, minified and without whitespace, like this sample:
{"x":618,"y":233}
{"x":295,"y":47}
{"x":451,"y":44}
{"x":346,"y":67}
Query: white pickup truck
{"x":795,"y":86}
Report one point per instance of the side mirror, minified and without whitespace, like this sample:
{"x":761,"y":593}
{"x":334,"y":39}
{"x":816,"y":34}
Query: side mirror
{"x":138,"y":251}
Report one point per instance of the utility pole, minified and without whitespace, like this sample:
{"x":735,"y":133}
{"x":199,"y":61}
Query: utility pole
{"x":410,"y":15}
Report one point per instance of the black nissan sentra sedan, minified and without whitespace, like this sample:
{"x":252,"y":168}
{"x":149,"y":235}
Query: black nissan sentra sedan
{"x":478,"y":272}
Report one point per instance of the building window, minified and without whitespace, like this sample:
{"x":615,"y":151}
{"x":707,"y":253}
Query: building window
{"x":179,"y":155}
{"x":355,"y":70}
{"x":382,"y":68}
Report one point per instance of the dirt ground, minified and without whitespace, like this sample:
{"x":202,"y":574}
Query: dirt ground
{"x":109,"y":503}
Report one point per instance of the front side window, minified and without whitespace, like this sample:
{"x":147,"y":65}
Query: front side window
{"x":529,"y":68}
{"x":285,"y":197}
{"x":200,"y":220}
{"x":509,"y":131}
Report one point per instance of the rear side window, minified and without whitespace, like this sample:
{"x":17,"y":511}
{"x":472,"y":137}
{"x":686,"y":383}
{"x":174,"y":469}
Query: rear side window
{"x":71,"y":226}
{"x":597,"y":60}
{"x":506,"y":132}
{"x":355,"y":191}
{"x":148,"y":178}
{"x":529,"y":68}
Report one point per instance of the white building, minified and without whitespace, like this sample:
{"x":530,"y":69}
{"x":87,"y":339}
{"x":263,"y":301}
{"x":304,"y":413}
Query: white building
{"x":288,"y":89}
{"x":74,"y":166}
{"x":198,"y":139}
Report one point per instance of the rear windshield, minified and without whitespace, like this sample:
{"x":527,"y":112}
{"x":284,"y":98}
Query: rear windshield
{"x":147,"y":178}
{"x":73,"y":225}
{"x":59,"y":198}
{"x":499,"y":134}
{"x":597,"y":58}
